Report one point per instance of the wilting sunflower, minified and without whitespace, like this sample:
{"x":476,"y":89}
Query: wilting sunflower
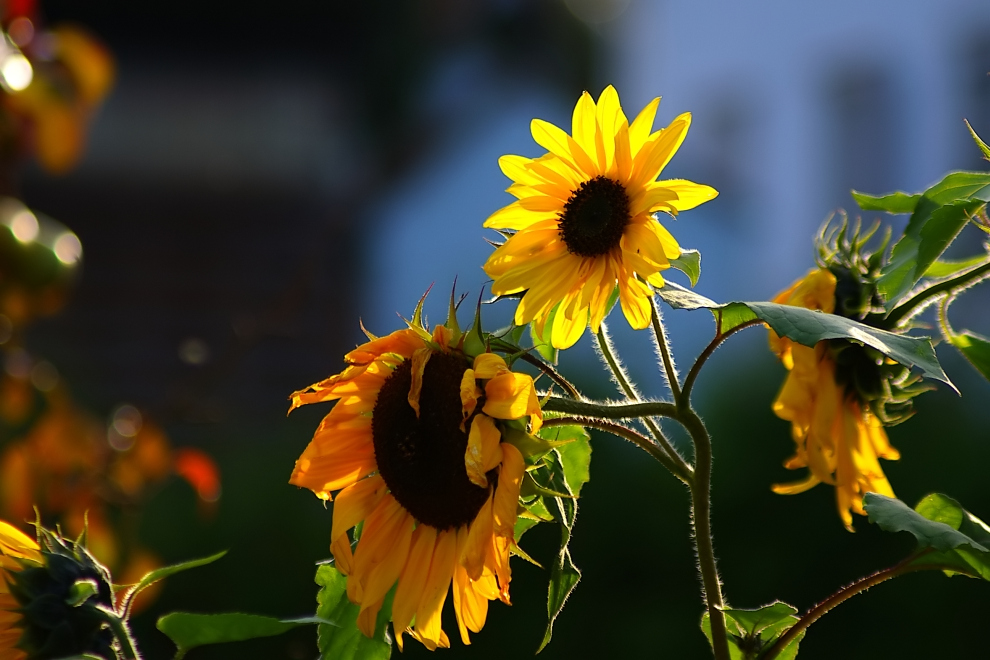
{"x":415,"y":443}
{"x":583,"y":221}
{"x":838,"y":437}
{"x":16,"y":550}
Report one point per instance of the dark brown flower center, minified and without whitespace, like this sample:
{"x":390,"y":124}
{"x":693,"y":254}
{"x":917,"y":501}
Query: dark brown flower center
{"x":594,"y":217}
{"x":422,"y":459}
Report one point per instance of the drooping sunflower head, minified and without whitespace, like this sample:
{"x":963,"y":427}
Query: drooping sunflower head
{"x":415,"y":445}
{"x":584,"y":221}
{"x":43,"y":611}
{"x":838,"y":395}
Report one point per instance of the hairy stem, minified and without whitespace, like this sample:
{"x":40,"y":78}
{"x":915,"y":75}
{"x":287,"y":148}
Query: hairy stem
{"x":701,"y":502}
{"x":626,"y":433}
{"x":618,"y":373}
{"x":692,"y":376}
{"x":842,"y":595}
{"x":128,"y":650}
{"x":663,"y":346}
{"x":905,"y":310}
{"x":552,"y":373}
{"x":606,"y":410}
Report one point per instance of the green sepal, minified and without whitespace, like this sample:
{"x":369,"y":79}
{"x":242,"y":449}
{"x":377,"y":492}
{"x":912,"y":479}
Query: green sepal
{"x":688,"y":263}
{"x":808,"y":327}
{"x":343,"y":641}
{"x":751,"y":632}
{"x":81,"y":591}
{"x":975,"y":348}
{"x":188,"y":630}
{"x":161,"y":573}
{"x":542,"y":342}
{"x":474,"y":340}
{"x":950,"y":538}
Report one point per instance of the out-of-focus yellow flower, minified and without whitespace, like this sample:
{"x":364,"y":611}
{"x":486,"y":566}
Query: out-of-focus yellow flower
{"x":17,"y":549}
{"x":583,"y":221}
{"x":838,"y":438}
{"x":415,"y":443}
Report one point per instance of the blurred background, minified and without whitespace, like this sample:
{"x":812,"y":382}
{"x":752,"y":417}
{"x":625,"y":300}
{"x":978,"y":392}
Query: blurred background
{"x":259,"y":176}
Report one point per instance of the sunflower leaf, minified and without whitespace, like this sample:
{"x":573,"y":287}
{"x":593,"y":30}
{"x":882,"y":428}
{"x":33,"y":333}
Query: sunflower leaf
{"x":941,"y":268}
{"x":166,"y":571}
{"x":188,"y":630}
{"x":753,"y":631}
{"x":974,"y":348}
{"x":897,"y":202}
{"x":979,"y":143}
{"x":809,"y":327}
{"x":343,"y":641}
{"x":564,"y":575}
{"x":949,"y":538}
{"x":937,"y":217}
{"x":574,"y":448}
{"x":688,"y":263}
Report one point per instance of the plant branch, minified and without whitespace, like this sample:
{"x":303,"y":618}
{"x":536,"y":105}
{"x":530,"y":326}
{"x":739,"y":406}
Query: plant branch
{"x":618,"y":373}
{"x":552,"y":373}
{"x":606,"y":410}
{"x":701,"y":503}
{"x":707,"y":353}
{"x":842,"y":595}
{"x":663,"y":346}
{"x":963,"y":281}
{"x":626,"y":433}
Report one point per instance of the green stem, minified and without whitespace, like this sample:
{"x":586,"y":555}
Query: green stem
{"x":701,"y":504}
{"x":844,"y":594}
{"x":963,"y":281}
{"x":663,"y":346}
{"x":122,"y":634}
{"x":605,"y":348}
{"x":553,"y":374}
{"x":626,"y":433}
{"x":605,"y":410}
{"x":692,"y":376}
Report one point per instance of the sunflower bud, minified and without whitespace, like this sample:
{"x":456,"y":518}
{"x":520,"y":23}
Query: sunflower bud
{"x":63,"y":595}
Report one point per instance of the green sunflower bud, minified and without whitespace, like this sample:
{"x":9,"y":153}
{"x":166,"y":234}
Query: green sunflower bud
{"x":64,"y":601}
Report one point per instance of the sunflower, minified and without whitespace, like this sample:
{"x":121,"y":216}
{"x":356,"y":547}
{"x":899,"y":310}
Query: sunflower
{"x":415,"y":447}
{"x":583,"y":221}
{"x":16,"y":550}
{"x":839,"y":439}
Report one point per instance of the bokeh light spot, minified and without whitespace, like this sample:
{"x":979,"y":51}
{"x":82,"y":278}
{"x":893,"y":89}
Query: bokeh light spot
{"x":194,"y":351}
{"x":68,"y":248}
{"x":24,"y":226}
{"x":16,"y":72}
{"x":44,"y":376}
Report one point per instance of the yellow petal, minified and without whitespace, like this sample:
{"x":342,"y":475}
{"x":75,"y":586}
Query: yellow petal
{"x":434,"y":591}
{"x":563,"y":146}
{"x":512,"y":396}
{"x":489,"y":365}
{"x":656,"y":153}
{"x":642,"y":126}
{"x":483,"y":452}
{"x":610,"y":117}
{"x":419,"y":360}
{"x":566,"y":332}
{"x":506,"y":499}
{"x":634,"y":297}
{"x":583,"y":124}
{"x":413,"y":579}
{"x":478,"y":540}
{"x":515,"y":216}
{"x":355,"y":503}
{"x":689,"y":193}
{"x":796,"y":486}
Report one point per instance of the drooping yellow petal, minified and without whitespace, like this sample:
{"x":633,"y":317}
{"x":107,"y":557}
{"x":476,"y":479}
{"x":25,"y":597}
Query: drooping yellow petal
{"x":483,"y":452}
{"x":506,"y":498}
{"x":566,"y":332}
{"x":355,"y":503}
{"x":419,"y":359}
{"x":489,"y":365}
{"x":435,"y":589}
{"x":478,"y":539}
{"x":512,"y":396}
{"x":408,"y":593}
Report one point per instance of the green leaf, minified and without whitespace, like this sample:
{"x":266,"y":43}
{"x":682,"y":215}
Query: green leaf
{"x":688,"y":263}
{"x":929,"y":232}
{"x":941,"y":268}
{"x":949,"y":537}
{"x":974,"y":348}
{"x":162,"y":573}
{"x":542,"y":342}
{"x":574,"y":449}
{"x":188,"y":630}
{"x":936,"y":220}
{"x":979,"y":143}
{"x":753,"y":631}
{"x":344,"y":641}
{"x":564,"y":575}
{"x":897,"y":202}
{"x":809,"y":327}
